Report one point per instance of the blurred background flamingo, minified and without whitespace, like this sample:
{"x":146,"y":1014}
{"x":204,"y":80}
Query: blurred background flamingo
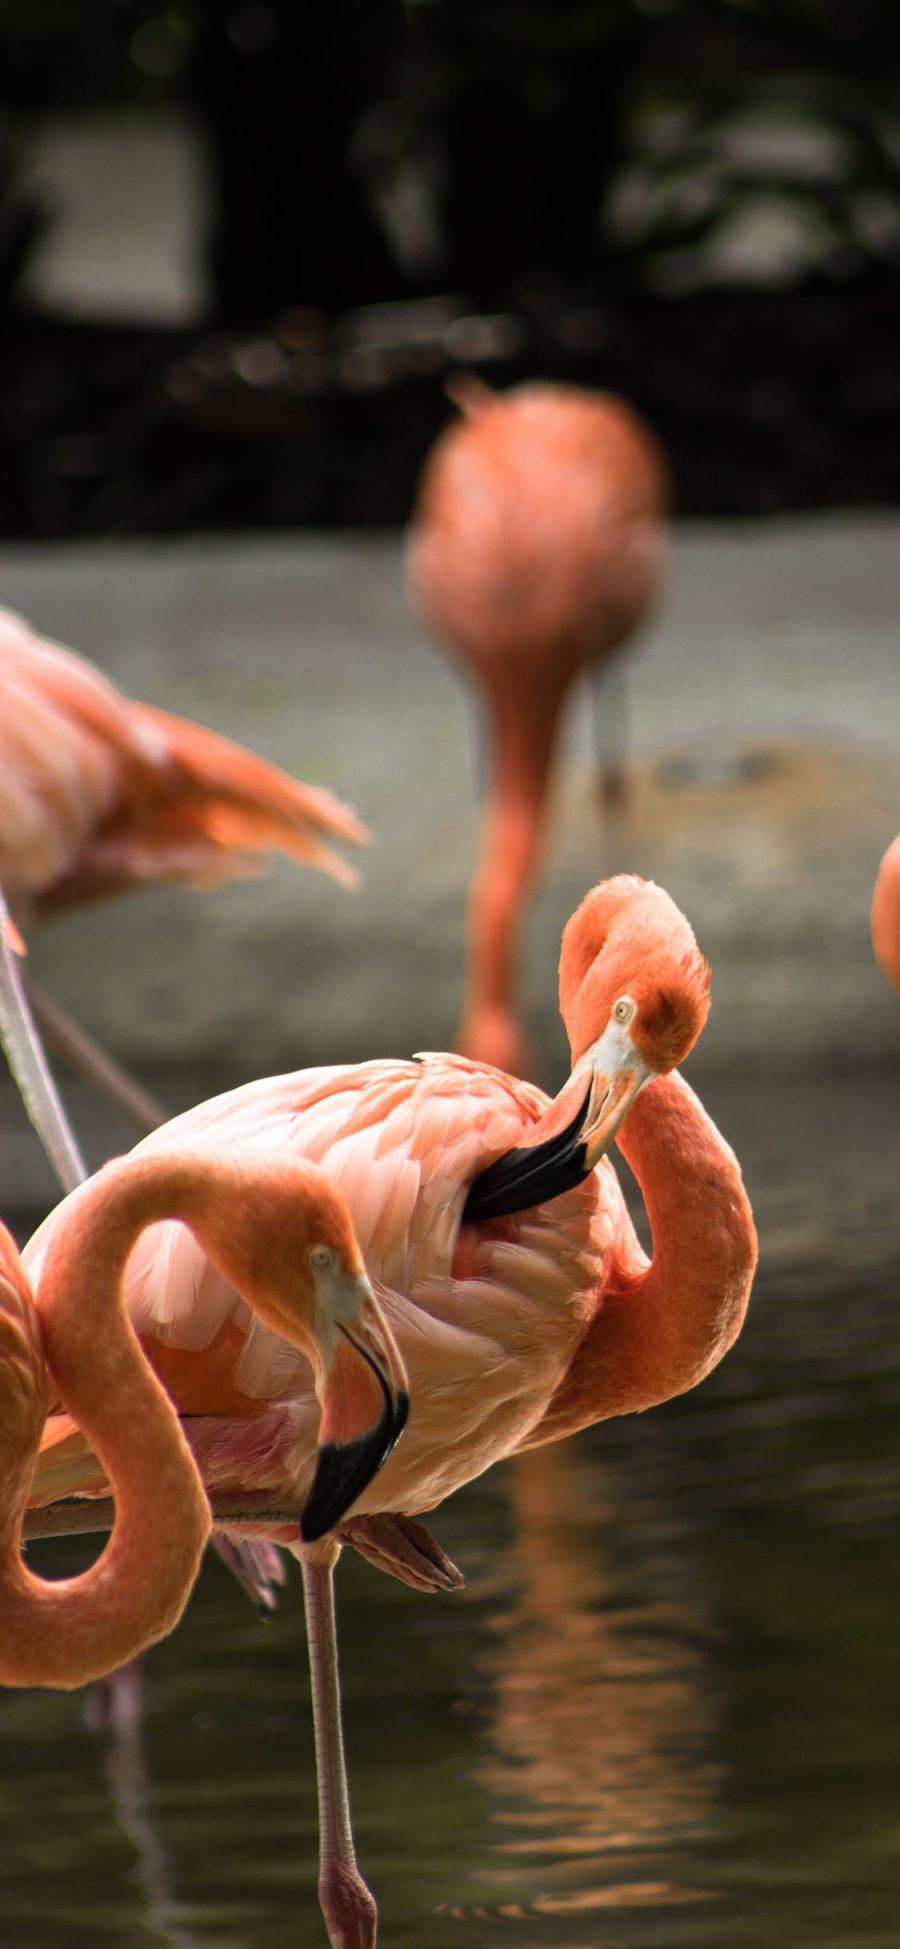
{"x":885,"y":914}
{"x":99,"y":794}
{"x":536,"y":550}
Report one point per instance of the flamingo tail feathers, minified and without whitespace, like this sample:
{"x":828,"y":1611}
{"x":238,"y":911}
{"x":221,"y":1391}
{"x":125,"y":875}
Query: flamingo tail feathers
{"x":208,"y":810}
{"x":239,"y":800}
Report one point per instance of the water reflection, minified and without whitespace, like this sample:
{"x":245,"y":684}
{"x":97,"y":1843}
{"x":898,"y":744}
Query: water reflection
{"x":124,"y":1760}
{"x":603,"y":1720}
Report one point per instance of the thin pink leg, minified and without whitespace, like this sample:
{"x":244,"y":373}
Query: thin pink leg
{"x":115,"y":1703}
{"x":348,"y":1906}
{"x":28,"y":1064}
{"x":90,"y":1061}
{"x":612,"y":733}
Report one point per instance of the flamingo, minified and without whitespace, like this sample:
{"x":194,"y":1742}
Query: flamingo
{"x":498,"y":1241}
{"x":279,"y":1232}
{"x":98,"y":794}
{"x":536,"y":548}
{"x":885,"y":915}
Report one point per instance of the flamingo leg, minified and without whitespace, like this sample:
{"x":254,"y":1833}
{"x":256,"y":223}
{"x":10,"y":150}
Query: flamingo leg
{"x":87,"y":1059}
{"x":612,"y":732}
{"x":115,"y":1703}
{"x":523,"y":724}
{"x":348,"y":1905}
{"x":29,"y":1069}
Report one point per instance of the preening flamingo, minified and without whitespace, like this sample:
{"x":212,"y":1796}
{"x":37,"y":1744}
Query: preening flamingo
{"x":536,"y":548}
{"x":98,"y":794}
{"x":499,"y":1244}
{"x":885,"y":915}
{"x":279,"y":1232}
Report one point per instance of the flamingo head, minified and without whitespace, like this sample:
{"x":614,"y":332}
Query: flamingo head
{"x":362,"y":1383}
{"x":634,"y":996}
{"x":283,"y":1237}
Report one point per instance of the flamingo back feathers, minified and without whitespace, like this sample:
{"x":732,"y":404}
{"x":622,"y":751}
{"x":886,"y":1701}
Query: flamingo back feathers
{"x":539,"y":524}
{"x":486,"y":1320}
{"x":472,"y":1315}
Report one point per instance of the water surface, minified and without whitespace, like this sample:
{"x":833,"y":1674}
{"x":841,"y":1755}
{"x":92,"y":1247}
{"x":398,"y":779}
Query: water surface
{"x":666,"y":1710}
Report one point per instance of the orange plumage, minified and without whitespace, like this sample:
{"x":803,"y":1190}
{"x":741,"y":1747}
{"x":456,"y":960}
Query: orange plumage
{"x":278,"y":1232}
{"x":885,"y":915}
{"x":536,"y":548}
{"x":514,"y":1330}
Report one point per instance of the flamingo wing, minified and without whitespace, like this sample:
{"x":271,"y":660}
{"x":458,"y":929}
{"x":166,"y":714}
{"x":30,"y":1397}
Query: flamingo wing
{"x":66,"y":748}
{"x":98,"y":793}
{"x":486,"y":1316}
{"x":401,"y":1139}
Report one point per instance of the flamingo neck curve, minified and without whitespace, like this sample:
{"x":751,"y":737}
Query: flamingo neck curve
{"x":661,"y":1325}
{"x":66,"y":1633}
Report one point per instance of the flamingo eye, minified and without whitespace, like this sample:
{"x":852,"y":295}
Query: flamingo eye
{"x":625,"y":1009}
{"x":320,"y":1257}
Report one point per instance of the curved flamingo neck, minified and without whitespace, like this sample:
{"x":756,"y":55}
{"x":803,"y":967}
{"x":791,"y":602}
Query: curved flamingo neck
{"x":661,"y":1326}
{"x":523,"y":724}
{"x":64,"y":1634}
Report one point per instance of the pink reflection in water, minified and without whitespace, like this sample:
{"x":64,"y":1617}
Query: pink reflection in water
{"x":604,"y":1716}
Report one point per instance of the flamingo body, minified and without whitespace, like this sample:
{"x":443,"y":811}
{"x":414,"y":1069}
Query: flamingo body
{"x":538,"y":536}
{"x":536,"y":548}
{"x":490,"y":1318}
{"x":885,"y":915}
{"x":500,"y":1323}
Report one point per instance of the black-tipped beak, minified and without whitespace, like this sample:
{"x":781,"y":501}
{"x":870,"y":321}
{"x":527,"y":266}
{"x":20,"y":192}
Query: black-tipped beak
{"x":602,"y":1087}
{"x":345,"y":1469}
{"x":526,"y":1177}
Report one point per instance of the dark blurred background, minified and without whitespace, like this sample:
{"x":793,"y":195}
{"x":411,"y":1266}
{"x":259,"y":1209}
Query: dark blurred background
{"x":243,"y":243}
